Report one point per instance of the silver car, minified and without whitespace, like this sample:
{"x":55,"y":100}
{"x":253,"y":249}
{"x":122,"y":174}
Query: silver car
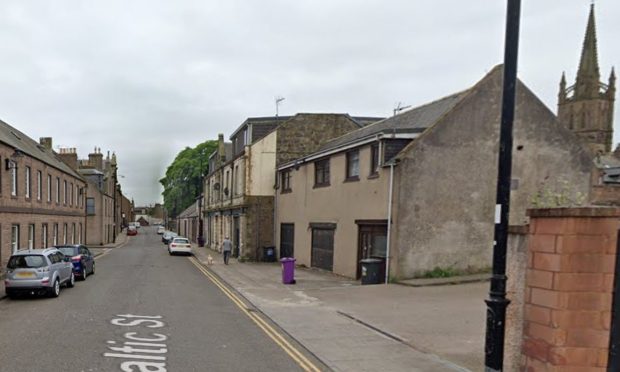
{"x":38,"y":271}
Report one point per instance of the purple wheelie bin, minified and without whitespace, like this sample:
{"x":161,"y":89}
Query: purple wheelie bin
{"x":288,"y":270}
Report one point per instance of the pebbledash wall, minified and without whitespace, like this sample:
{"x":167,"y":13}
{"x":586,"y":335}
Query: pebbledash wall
{"x":48,"y":213}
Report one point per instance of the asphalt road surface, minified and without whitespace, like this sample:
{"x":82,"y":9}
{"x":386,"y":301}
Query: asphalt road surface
{"x":143,"y":311}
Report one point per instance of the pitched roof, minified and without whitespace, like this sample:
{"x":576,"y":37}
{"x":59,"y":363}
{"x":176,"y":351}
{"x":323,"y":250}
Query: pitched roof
{"x":266,"y":121}
{"x":191,"y":211}
{"x":412,"y":121}
{"x":19,"y":141}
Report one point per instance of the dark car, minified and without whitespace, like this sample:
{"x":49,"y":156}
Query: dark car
{"x":167,"y":237}
{"x":81,"y":257}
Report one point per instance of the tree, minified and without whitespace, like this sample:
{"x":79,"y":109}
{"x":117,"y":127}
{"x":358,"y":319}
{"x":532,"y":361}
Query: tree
{"x":183,"y":180}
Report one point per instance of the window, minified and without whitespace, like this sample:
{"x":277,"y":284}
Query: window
{"x":374,"y":159}
{"x":44,"y":235}
{"x":13,"y":179}
{"x":73,"y":233}
{"x":64,"y":189}
{"x":71,"y":194}
{"x":77,"y":191}
{"x":64,"y":234}
{"x":31,"y":236}
{"x":236,"y":182}
{"x":353,"y":165}
{"x":49,"y":188}
{"x":57,"y":190}
{"x":286,"y":181}
{"x":14,"y":238}
{"x":79,"y":241}
{"x":55,"y":235}
{"x":321,"y":173}
{"x":90,"y":206}
{"x":39,"y":185}
{"x":27,"y":179}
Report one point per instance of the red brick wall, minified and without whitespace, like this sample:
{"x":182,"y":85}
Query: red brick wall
{"x":568,"y":292}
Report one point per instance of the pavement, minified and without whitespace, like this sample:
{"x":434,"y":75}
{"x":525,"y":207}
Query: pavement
{"x":353,"y":327}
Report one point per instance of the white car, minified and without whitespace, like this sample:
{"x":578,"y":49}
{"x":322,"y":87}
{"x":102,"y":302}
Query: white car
{"x":137,"y":224}
{"x":180,"y":245}
{"x":161,"y":230}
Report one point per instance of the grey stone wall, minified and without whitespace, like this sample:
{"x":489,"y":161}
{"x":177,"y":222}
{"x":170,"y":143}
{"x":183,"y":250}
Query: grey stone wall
{"x":258,"y":231}
{"x":304,"y":134}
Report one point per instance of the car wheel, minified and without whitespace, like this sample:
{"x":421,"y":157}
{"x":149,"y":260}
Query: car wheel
{"x":71,"y":282}
{"x":92,"y":271}
{"x":55,"y":290}
{"x":83,"y":272}
{"x":10,"y":294}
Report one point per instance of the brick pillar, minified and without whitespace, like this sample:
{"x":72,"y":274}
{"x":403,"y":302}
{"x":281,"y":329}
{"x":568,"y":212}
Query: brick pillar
{"x":569,"y":286}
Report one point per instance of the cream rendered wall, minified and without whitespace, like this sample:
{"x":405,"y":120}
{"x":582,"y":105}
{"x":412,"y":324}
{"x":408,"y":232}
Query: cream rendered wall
{"x":341,"y":203}
{"x":262,"y":162}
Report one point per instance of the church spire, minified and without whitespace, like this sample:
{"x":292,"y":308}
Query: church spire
{"x":588,"y":77}
{"x":562,"y":94}
{"x":611,"y":90}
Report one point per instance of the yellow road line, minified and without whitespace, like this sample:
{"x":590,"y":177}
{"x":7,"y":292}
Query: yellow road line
{"x":295,"y":354}
{"x":103,"y":254}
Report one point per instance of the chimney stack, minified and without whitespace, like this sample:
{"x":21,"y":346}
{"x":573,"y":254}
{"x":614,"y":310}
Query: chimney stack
{"x":46,"y":142}
{"x":95,"y":160}
{"x":221,"y":149}
{"x":69,"y":156}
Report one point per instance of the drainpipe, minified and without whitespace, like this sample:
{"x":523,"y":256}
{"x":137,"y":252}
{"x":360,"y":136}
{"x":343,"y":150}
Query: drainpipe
{"x":389,"y":219}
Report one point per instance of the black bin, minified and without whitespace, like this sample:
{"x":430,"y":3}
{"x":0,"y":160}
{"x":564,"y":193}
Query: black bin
{"x":269,"y":254}
{"x":371,"y":271}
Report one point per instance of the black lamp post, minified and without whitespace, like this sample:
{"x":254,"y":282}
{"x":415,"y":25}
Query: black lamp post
{"x":497,"y":302}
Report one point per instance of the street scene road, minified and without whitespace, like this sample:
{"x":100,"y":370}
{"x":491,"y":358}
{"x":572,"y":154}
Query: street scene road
{"x":142,"y":309}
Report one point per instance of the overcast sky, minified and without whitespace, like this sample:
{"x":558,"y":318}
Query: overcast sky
{"x":145,"y":78}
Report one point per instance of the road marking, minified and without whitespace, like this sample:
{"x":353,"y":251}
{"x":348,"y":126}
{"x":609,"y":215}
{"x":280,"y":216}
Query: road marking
{"x":295,"y":354}
{"x":143,"y":350}
{"x":103,"y":254}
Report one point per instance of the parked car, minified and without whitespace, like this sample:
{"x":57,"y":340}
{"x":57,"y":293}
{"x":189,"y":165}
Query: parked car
{"x":137,"y":224}
{"x":81,"y":258}
{"x":38,"y":271}
{"x":180,"y":245}
{"x":161,"y":230}
{"x":168,"y":236}
{"x":131,"y":231}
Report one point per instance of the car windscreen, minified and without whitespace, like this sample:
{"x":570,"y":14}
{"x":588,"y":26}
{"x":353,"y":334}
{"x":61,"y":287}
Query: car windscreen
{"x":27,"y":261}
{"x":68,"y":251}
{"x":181,"y":241}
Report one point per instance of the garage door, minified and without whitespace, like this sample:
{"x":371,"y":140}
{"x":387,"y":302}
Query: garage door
{"x":323,"y":248}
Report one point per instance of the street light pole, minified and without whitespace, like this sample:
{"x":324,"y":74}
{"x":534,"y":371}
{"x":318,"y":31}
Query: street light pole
{"x":497,"y":302}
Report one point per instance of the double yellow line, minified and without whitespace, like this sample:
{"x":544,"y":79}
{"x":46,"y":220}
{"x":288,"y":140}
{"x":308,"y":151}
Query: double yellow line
{"x":295,"y":354}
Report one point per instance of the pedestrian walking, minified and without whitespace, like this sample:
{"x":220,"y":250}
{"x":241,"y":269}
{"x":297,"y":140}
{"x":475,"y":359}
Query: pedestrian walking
{"x":226,"y":249}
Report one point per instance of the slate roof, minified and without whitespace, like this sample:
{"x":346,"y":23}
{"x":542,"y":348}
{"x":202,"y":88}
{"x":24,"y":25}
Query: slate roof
{"x":266,"y":121}
{"x":90,"y":172}
{"x":18,"y":140}
{"x":412,"y":121}
{"x":191,"y":211}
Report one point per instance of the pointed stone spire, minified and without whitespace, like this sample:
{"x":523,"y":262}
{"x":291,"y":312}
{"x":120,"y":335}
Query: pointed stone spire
{"x":588,"y":76}
{"x":611,"y":91}
{"x":562,"y":94}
